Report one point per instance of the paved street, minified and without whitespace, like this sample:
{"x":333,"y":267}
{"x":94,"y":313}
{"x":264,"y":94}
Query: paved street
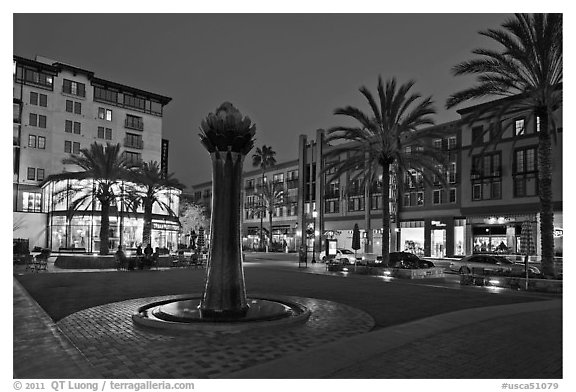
{"x":364,"y":327}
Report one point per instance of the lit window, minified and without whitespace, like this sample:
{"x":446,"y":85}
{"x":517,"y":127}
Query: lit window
{"x":519,"y":126}
{"x":105,"y":114}
{"x":32,"y":141}
{"x":41,"y":142}
{"x":31,"y":201}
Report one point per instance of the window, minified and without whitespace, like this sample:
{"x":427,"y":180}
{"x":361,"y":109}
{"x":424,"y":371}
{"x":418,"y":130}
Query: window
{"x":537,"y":124}
{"x":331,"y":206}
{"x":487,"y":165}
{"x":277,"y":178}
{"x":77,"y":128}
{"x":134,"y":102}
{"x":33,"y":98}
{"x":519,"y":127}
{"x":451,"y":174}
{"x":68,"y":146}
{"x":76,"y":148}
{"x":74,"y":88}
{"x":69,"y":106}
{"x":40,"y":174}
{"x":133,"y":141}
{"x":478,"y":135}
{"x":292,"y":175}
{"x":101,"y":94}
{"x":134,"y":122}
{"x":105,"y":114}
{"x":31,"y":173}
{"x":437,"y":196}
{"x":41,"y":142}
{"x":376,"y":202}
{"x":77,"y":108}
{"x":43,"y":100}
{"x":525,"y":172}
{"x":452,"y":143}
{"x":437,"y":143}
{"x":356,"y":204}
{"x":31,"y":202}
{"x":37,"y":120}
{"x":104,"y":133}
{"x":32,"y":141}
{"x":452,"y":195}
{"x":68,"y":126}
{"x":477,"y":192}
{"x":132,"y":157}
{"x":38,"y":78}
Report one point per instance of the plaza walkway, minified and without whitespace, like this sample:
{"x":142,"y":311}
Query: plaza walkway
{"x":519,"y":340}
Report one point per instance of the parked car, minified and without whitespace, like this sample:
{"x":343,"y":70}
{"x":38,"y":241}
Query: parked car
{"x":489,"y":263}
{"x":405,"y":260}
{"x":343,"y":256}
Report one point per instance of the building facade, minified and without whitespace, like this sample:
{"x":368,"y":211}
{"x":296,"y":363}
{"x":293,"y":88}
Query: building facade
{"x":490,"y":189}
{"x":58,"y":110}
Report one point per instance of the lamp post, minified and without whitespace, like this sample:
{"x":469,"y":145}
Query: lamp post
{"x":314,"y":215}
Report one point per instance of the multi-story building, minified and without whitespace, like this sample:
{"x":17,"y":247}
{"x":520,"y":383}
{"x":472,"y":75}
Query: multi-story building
{"x":487,"y":195}
{"x":58,"y":110}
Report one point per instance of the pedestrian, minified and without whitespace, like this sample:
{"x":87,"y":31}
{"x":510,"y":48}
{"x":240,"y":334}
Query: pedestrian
{"x":139,"y":250}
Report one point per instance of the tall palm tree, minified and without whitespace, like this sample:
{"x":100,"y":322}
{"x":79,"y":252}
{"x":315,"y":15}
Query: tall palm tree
{"x":152,"y":188}
{"x":272,"y":196}
{"x":103,"y":169}
{"x":528,"y":68}
{"x":379,"y":141}
{"x":264,"y":159}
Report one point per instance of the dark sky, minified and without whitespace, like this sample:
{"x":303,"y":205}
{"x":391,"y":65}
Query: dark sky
{"x":288,"y":72}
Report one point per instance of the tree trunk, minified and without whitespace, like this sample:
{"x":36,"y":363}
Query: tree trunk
{"x":367,"y":214}
{"x":104,"y":227}
{"x":225,"y":292}
{"x":147,"y":229}
{"x":385,"y":214}
{"x":262,"y":209}
{"x":270,"y":233}
{"x":545,"y":193}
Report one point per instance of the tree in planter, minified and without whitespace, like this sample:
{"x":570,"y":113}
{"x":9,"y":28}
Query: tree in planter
{"x":152,"y":188}
{"x":378,"y":144}
{"x":104,"y":168}
{"x":264,"y":159}
{"x":528,"y":69}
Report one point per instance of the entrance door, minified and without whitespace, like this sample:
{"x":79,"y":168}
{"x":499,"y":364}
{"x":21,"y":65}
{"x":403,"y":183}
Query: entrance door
{"x":438,"y":243}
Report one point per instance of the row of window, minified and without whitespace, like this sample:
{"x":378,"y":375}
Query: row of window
{"x":277,"y":178}
{"x":39,"y":120}
{"x":109,"y":95}
{"x":279,"y":211}
{"x":35,"y":174}
{"x":518,"y":125}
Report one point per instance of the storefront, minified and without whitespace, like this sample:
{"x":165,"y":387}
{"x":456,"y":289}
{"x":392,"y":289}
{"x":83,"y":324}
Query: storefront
{"x":499,"y":234}
{"x":412,"y":237}
{"x":82,"y":231}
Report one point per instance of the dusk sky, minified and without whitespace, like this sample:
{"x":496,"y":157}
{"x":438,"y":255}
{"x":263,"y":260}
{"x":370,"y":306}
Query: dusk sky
{"x":287,"y":72}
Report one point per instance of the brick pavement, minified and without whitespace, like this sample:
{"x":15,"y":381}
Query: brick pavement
{"x":119,"y":349}
{"x":506,"y":342}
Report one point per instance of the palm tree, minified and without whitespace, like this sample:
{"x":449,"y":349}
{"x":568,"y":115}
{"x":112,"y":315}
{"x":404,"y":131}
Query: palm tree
{"x":103,"y":170}
{"x":528,"y":68}
{"x":264,"y":159}
{"x":272,"y":196}
{"x":152,"y":188}
{"x":378,"y":144}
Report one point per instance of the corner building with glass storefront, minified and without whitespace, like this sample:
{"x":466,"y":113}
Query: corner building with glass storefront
{"x":59,"y":109}
{"x":492,"y":190}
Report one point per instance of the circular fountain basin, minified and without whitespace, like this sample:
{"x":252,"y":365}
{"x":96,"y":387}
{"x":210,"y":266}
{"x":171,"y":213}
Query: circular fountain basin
{"x":185,"y":314}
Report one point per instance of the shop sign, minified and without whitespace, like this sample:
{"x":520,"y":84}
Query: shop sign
{"x":438,"y":223}
{"x":558,"y":232}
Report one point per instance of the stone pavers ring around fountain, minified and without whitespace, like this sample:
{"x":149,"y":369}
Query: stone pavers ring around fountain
{"x":117,"y":348}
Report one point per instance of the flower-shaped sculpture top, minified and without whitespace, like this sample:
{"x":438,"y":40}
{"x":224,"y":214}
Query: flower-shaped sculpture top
{"x":226,"y":130}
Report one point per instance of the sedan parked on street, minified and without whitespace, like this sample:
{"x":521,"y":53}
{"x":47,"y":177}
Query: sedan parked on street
{"x":404,"y":260}
{"x":489,"y":263}
{"x":343,"y":256}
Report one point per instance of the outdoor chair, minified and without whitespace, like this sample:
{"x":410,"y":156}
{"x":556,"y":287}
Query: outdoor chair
{"x":41,"y":261}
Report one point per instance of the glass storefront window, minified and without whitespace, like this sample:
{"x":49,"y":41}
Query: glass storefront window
{"x":438,"y":243}
{"x":459,"y":242}
{"x":412,"y":240}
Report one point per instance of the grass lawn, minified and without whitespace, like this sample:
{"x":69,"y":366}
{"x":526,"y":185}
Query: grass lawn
{"x":389,"y":303}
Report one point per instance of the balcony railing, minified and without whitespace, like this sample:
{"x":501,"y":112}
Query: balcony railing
{"x":134,"y":124}
{"x":134,"y":143}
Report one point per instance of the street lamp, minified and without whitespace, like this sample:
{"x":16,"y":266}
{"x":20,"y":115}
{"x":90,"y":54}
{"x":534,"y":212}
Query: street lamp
{"x":314,"y":215}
